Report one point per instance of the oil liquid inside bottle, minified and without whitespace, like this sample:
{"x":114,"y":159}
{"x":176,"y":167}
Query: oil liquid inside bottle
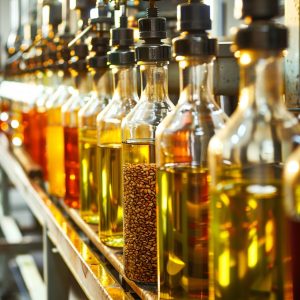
{"x":111,"y":209}
{"x":38,"y":125}
{"x":89,"y":171}
{"x":139,"y":201}
{"x":71,"y":166}
{"x":247,"y":230}
{"x":183,"y":222}
{"x":26,"y":130}
{"x":55,"y":153}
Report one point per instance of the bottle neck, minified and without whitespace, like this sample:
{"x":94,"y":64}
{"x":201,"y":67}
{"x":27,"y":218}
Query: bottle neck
{"x":82,"y":83}
{"x":261,"y":83}
{"x":196,"y":80}
{"x":102,"y":84}
{"x":124,"y":82}
{"x":154,"y":81}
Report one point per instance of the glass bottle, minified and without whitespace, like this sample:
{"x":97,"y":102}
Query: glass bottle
{"x":182,"y":162}
{"x":70,"y":126}
{"x":246,"y":158}
{"x":139,"y":164}
{"x":292,"y":208}
{"x":99,"y":98}
{"x":122,"y":61}
{"x":55,"y":136}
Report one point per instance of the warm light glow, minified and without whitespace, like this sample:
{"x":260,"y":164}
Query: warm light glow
{"x":4,"y":116}
{"x":216,"y":146}
{"x":269,"y":232}
{"x":245,"y":59}
{"x":253,"y":248}
{"x":244,"y":98}
{"x":72,"y":177}
{"x":292,"y":167}
{"x":15,"y":124}
{"x":224,"y":263}
{"x":17,"y":141}
{"x":164,"y":199}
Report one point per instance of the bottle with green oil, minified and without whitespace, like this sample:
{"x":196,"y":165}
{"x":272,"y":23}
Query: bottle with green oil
{"x":182,"y":162}
{"x":138,"y":144}
{"x":122,"y":62}
{"x":247,"y":220}
{"x":99,"y":97}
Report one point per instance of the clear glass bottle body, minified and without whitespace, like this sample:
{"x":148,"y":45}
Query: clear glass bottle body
{"x":246,"y":207}
{"x":99,"y":98}
{"x":55,"y":138}
{"x":139,"y":173}
{"x":182,"y":162}
{"x":109,"y":145}
{"x":71,"y":150}
{"x":292,"y":209}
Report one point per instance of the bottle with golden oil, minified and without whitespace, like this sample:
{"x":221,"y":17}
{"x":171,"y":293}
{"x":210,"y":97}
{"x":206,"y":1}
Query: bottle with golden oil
{"x":102,"y":92}
{"x":181,"y":147}
{"x":138,"y":146}
{"x":109,"y":143}
{"x":292,"y":208}
{"x":70,"y":126}
{"x":54,"y":131}
{"x":55,"y":137}
{"x":247,"y":220}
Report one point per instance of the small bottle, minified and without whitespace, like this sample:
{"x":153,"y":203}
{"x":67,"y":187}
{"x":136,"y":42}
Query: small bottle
{"x":70,"y":124}
{"x":292,"y":209}
{"x":138,"y":146}
{"x":182,"y":162}
{"x":122,"y":62}
{"x":102,"y":92}
{"x":54,"y":131}
{"x":246,"y":158}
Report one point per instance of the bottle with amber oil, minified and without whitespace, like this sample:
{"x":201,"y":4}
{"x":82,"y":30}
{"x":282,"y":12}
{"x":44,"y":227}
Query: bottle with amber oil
{"x":54,"y":131}
{"x":181,"y":147}
{"x":122,"y":62}
{"x":70,"y":125}
{"x":247,"y":224}
{"x":99,"y":97}
{"x":138,"y":144}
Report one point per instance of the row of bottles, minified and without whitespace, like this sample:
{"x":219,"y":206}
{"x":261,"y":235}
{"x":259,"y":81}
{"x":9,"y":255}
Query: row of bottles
{"x":196,"y":200}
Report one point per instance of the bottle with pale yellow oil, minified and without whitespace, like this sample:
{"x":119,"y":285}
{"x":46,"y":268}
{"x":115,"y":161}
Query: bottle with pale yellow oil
{"x":99,"y":97}
{"x":122,"y":62}
{"x":248,"y":231}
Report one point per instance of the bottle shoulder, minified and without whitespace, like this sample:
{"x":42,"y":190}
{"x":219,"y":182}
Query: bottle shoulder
{"x":255,"y":137}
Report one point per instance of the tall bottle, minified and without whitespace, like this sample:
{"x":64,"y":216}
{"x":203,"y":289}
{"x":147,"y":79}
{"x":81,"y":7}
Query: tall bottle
{"x":70,"y":125}
{"x":138,"y":145}
{"x":54,"y":131}
{"x":122,"y":62}
{"x":102,"y":89}
{"x":182,"y":162}
{"x":246,"y":158}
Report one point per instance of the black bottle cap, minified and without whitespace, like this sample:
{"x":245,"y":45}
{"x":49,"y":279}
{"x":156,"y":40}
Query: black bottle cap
{"x":193,"y":19}
{"x":152,"y":30}
{"x":193,"y":16}
{"x":262,"y":33}
{"x":122,"y":40}
{"x":100,"y":45}
{"x":258,"y":9}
